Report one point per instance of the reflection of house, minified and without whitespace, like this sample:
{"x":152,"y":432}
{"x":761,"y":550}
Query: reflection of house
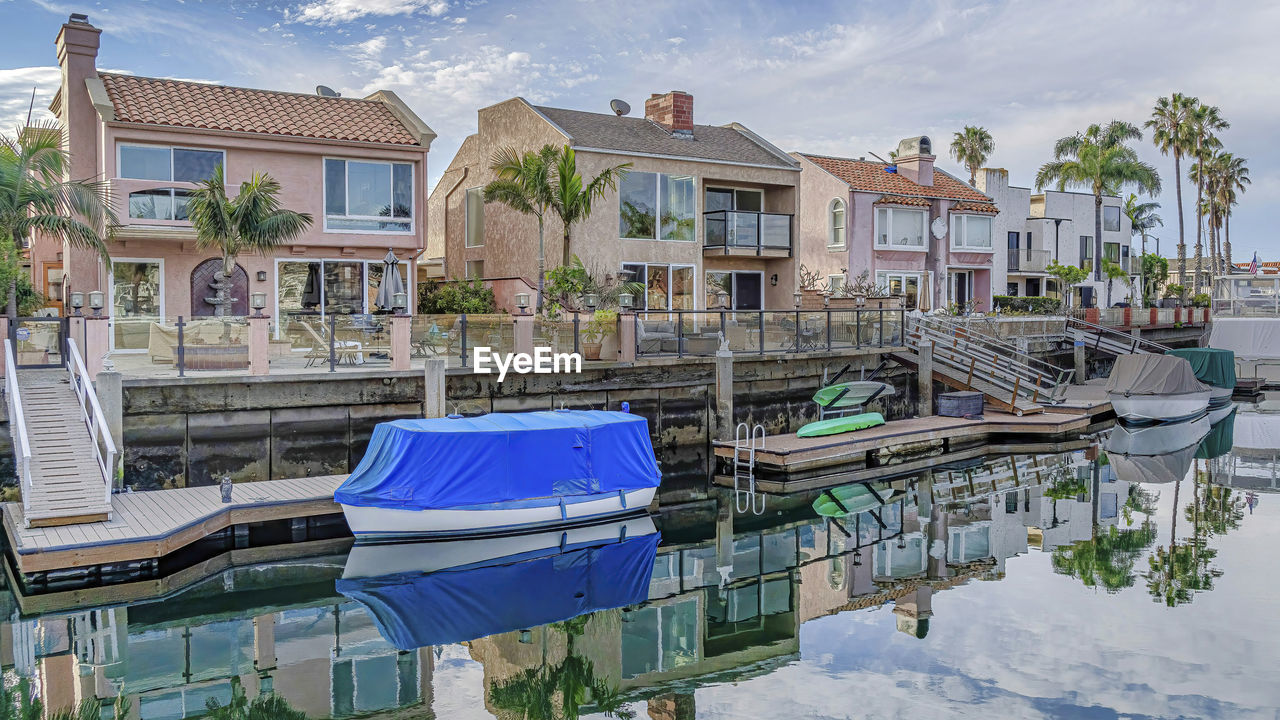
{"x":358,"y":166}
{"x":704,"y":208}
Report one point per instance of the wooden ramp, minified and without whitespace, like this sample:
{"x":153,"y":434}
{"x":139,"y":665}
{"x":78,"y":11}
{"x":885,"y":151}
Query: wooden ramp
{"x":961,"y":380}
{"x":67,"y":485}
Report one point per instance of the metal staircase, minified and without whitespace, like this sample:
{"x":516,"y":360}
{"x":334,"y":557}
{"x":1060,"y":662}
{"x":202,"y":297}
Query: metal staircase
{"x":1109,"y":340}
{"x":965,"y":359}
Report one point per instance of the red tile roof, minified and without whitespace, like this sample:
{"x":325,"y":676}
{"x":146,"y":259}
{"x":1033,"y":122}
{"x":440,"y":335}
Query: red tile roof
{"x":974,"y":207}
{"x":158,"y":101}
{"x":865,"y":176}
{"x":903,"y":200}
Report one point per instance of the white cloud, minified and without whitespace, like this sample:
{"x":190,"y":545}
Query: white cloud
{"x":333,"y":12}
{"x":15,"y":95}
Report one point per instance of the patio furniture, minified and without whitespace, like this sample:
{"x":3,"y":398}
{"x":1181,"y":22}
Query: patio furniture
{"x":162,"y":340}
{"x":345,"y":351}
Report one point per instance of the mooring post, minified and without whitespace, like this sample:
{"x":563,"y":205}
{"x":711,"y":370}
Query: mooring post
{"x":111,"y":398}
{"x":433,"y":400}
{"x":401,"y":340}
{"x":724,"y":395}
{"x":924,"y":379}
{"x":524,"y":326}
{"x":1081,"y":370}
{"x":259,"y":344}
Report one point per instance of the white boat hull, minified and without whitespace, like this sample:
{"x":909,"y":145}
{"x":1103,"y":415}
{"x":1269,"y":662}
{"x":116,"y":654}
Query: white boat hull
{"x":374,"y":522}
{"x":1159,"y":408}
{"x":1156,"y":439}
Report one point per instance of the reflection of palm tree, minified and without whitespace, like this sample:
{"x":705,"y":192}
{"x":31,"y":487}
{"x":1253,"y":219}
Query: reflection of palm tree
{"x":1177,"y":573}
{"x":267,"y":706}
{"x":1108,"y":559}
{"x":20,"y":703}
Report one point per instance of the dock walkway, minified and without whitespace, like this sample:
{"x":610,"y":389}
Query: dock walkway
{"x":152,"y":524}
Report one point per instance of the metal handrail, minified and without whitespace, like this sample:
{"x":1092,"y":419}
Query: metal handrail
{"x":996,"y":343}
{"x":17,"y":424}
{"x":789,"y":320}
{"x":1019,"y":380}
{"x":94,"y":419}
{"x":1111,"y":335}
{"x":1022,"y":367}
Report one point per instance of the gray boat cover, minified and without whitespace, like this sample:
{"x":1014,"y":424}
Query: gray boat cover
{"x":1153,"y":375}
{"x":1153,"y":469}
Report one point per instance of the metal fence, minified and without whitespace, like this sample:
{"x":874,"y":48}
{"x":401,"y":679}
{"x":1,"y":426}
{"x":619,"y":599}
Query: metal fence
{"x":702,"y":332}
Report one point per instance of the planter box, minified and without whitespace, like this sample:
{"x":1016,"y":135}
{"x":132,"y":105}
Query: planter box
{"x":965,"y":403}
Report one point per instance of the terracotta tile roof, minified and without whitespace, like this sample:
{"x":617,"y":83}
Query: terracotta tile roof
{"x":974,"y":207}
{"x":867,"y":176}
{"x":903,"y":200}
{"x":158,"y":101}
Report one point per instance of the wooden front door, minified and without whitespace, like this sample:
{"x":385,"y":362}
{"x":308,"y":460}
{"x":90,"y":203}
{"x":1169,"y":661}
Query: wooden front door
{"x":51,"y":285}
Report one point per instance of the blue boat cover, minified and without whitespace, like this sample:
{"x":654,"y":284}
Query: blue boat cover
{"x":501,"y":457}
{"x":414,"y":610}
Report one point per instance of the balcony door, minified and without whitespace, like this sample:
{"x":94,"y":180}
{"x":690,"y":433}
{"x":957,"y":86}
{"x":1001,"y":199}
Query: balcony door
{"x":734,"y":199}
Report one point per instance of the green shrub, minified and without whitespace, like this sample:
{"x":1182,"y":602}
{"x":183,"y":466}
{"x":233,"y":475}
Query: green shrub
{"x":455,"y":296}
{"x":1033,"y":304}
{"x":1200,"y":300}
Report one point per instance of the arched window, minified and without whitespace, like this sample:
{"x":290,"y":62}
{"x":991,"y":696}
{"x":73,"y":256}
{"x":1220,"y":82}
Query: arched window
{"x":836,"y":229}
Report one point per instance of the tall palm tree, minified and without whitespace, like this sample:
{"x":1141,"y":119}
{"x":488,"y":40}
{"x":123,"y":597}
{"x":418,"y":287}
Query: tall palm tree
{"x":1099,"y":159}
{"x":525,"y":184}
{"x":971,"y":147}
{"x":1235,"y":175}
{"x":38,"y":202}
{"x":1168,"y":125}
{"x":253,"y":220}
{"x":1142,"y":218}
{"x":1204,"y":122}
{"x":571,"y":199}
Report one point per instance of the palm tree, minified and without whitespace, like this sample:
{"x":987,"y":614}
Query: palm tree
{"x":525,"y":184}
{"x":971,"y":147}
{"x":571,"y":200}
{"x":38,"y":202}
{"x":1204,"y":122}
{"x":1100,"y":160}
{"x":1168,"y":125}
{"x":1235,"y":175}
{"x":1114,"y":271}
{"x":253,"y":220}
{"x":1142,"y":217}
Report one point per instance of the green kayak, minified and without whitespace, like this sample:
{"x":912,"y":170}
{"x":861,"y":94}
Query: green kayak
{"x":851,"y":394}
{"x":835,"y":426}
{"x":853,"y":499}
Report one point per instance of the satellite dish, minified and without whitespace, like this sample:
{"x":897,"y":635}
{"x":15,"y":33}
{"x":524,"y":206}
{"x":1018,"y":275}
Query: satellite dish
{"x":326,"y":91}
{"x":619,"y":107}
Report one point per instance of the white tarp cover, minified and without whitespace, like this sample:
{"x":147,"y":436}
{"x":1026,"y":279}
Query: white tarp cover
{"x":1248,"y":338}
{"x":1153,"y":375}
{"x":1256,"y":431}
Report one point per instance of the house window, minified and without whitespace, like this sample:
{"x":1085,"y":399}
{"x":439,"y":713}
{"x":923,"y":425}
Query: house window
{"x":1011,"y":289}
{"x":475,"y":269}
{"x":364,"y":196}
{"x":137,"y":301}
{"x":170,"y":164}
{"x":900,"y":229}
{"x":475,"y":217}
{"x":1111,"y":251}
{"x":654,"y":206}
{"x":905,"y":284}
{"x":1111,"y":219}
{"x":320,"y":287}
{"x":1086,"y":252}
{"x":971,"y":232}
{"x":835,"y":283}
{"x":666,"y":287}
{"x":159,"y":204}
{"x":836,"y":235}
{"x":727,"y":290}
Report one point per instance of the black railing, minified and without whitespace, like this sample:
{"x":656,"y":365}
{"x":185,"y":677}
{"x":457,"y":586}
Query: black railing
{"x":731,"y":230}
{"x":703,"y":332}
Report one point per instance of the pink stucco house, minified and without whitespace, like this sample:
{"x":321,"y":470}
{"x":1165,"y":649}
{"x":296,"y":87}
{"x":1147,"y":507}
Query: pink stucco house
{"x":913,"y":228}
{"x":357,"y":165}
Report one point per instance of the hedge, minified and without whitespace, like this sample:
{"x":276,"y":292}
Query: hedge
{"x":1034,"y":304}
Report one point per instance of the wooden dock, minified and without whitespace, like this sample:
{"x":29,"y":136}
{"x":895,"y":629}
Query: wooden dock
{"x":152,"y":524}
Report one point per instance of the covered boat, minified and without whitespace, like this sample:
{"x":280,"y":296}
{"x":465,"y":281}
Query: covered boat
{"x":851,"y":395}
{"x":499,"y":472}
{"x":436,"y":593}
{"x":1213,"y":367}
{"x":1156,"y":388}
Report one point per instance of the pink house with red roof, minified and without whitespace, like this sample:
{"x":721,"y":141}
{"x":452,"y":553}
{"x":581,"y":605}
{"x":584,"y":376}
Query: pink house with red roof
{"x":357,"y":165}
{"x":912,"y":228}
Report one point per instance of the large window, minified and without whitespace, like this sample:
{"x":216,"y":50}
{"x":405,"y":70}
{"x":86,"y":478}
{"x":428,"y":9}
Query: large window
{"x":1111,"y":219}
{"x":159,"y":204}
{"x":728,"y":290}
{"x":1111,"y":251}
{"x":900,"y":229}
{"x":154,"y":162}
{"x":1086,"y":252}
{"x":666,"y":287}
{"x":905,"y":284}
{"x":137,"y":301}
{"x":836,"y":230}
{"x":654,"y":206}
{"x":329,"y":286}
{"x":475,"y":217}
{"x":971,"y":232}
{"x":366,"y":196}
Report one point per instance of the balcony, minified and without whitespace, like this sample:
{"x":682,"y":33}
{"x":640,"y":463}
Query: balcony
{"x":737,"y":232}
{"x":1026,"y":260}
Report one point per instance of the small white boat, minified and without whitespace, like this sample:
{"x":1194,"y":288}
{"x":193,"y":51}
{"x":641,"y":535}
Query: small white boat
{"x":1160,"y":439}
{"x":1156,"y":389}
{"x":501,"y":472}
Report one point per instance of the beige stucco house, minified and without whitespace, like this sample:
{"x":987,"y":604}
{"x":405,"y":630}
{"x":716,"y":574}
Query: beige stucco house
{"x":357,"y":165}
{"x":701,"y":209}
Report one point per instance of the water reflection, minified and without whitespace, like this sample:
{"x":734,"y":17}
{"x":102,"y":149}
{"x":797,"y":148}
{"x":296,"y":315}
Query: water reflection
{"x":904,"y":589}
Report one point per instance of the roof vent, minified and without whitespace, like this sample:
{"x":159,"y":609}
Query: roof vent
{"x":619,"y":107}
{"x":326,"y":91}
{"x":79,"y":19}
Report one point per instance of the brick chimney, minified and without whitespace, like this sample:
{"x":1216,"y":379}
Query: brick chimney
{"x":915,"y":160}
{"x":673,"y":111}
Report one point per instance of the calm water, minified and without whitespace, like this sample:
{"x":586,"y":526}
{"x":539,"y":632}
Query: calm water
{"x":1064,"y":585}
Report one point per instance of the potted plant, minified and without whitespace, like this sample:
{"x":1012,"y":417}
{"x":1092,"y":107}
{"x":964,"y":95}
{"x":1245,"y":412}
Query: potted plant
{"x":602,"y":324}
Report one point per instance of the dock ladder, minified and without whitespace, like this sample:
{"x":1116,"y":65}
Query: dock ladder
{"x":746,"y":440}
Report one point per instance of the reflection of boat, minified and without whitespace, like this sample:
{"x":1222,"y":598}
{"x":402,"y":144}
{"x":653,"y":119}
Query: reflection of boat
{"x":853,"y":499}
{"x":1156,"y":439}
{"x":434,"y":593}
{"x":1218,"y":442}
{"x":1215,"y":368}
{"x":1156,"y":388}
{"x":499,"y":472}
{"x":1153,"y":469}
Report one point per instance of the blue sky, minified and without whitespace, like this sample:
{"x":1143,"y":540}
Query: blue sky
{"x":841,"y":78}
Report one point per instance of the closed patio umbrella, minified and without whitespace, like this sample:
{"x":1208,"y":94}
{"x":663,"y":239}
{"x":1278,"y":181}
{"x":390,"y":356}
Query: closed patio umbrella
{"x":391,"y":284}
{"x":311,"y":289}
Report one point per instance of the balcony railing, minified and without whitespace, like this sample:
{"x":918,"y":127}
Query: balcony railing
{"x":1028,"y":260}
{"x":738,"y":230}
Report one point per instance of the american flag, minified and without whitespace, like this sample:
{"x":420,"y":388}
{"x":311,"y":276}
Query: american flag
{"x":1253,"y":264}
